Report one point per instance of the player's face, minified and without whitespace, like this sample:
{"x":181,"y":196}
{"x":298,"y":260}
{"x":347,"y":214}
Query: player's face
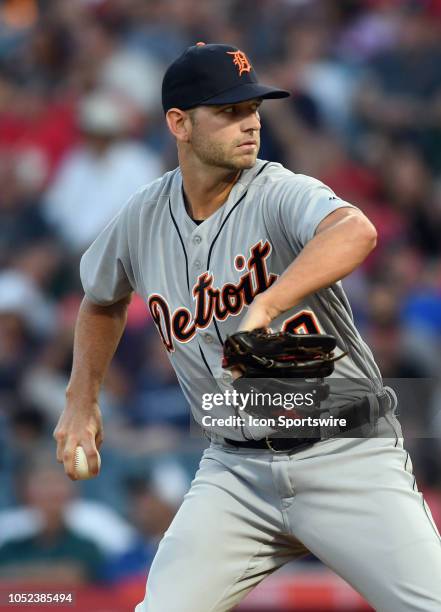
{"x":227,"y":136}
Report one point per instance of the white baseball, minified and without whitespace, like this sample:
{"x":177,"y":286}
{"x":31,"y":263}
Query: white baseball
{"x":81,"y":465}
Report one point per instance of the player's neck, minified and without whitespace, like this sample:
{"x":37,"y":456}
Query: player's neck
{"x":206,"y":192}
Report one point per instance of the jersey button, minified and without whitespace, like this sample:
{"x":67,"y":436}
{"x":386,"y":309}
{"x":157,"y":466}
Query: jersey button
{"x":197,"y":240}
{"x":197,"y":264}
{"x":208,"y":338}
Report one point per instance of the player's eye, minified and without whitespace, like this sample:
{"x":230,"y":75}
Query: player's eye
{"x":229,"y":109}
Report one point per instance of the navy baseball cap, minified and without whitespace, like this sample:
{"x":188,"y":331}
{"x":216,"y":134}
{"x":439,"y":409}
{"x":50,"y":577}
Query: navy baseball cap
{"x":212,"y":74}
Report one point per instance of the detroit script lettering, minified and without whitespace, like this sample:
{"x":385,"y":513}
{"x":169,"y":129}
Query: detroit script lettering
{"x":212,"y":302}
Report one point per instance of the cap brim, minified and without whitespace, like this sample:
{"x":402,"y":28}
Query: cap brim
{"x":245,"y":92}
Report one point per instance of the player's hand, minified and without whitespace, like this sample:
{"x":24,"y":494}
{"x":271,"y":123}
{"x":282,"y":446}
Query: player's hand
{"x":80,"y":424}
{"x":260,"y":314}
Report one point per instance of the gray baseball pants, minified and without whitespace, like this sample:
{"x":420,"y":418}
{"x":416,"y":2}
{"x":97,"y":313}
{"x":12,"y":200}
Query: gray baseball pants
{"x":352,"y":502}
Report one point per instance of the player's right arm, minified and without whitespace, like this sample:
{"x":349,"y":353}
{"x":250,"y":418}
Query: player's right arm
{"x":98,"y":331}
{"x":108,"y":275}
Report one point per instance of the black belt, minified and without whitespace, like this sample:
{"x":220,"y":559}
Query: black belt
{"x":358,"y":414}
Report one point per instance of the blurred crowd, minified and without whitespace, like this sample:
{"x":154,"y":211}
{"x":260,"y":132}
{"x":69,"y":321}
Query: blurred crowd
{"x":81,"y":128}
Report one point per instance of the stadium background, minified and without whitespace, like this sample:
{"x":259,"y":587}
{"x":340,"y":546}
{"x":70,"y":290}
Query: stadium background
{"x":80,"y":129}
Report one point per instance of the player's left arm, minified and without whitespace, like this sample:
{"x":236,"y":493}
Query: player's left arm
{"x":341,"y":242}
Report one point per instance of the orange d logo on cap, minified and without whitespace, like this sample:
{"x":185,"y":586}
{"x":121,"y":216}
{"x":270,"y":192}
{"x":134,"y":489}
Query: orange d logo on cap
{"x":241,"y":61}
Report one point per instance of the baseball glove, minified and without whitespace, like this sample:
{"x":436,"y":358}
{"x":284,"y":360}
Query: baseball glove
{"x":259,"y":353}
{"x":277,"y":363}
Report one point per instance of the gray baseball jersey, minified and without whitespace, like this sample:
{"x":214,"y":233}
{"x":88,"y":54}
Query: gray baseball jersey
{"x":249,"y":511}
{"x":197,"y":280}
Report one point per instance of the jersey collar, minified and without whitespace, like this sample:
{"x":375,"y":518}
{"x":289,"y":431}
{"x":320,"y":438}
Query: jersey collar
{"x":178,"y":203}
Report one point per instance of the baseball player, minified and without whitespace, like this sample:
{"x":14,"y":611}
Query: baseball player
{"x":229,"y":242}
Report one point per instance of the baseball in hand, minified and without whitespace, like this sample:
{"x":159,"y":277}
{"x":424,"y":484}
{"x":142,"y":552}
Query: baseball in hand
{"x":80,"y":463}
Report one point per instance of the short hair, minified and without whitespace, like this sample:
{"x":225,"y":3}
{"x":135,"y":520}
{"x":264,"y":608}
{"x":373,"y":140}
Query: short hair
{"x":192,"y":114}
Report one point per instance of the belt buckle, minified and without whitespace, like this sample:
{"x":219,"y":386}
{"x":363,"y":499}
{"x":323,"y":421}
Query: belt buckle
{"x":274,"y":450}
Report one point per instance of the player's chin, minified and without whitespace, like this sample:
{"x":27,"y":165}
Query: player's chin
{"x":245,"y":160}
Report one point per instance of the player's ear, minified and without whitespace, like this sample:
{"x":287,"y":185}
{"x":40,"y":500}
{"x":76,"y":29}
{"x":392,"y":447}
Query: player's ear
{"x":179,"y":123}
